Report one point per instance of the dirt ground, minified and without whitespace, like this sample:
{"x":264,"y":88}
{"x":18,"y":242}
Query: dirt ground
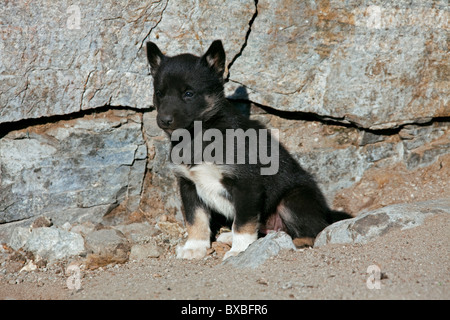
{"x":408,"y":264}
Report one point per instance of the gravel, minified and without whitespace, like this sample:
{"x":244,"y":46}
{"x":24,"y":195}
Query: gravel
{"x":408,"y":264}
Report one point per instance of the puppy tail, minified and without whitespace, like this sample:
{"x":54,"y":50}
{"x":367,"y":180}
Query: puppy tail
{"x":335,"y":216}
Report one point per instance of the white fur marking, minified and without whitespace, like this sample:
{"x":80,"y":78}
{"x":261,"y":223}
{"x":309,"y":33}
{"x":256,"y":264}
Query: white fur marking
{"x":241,"y":241}
{"x":193,"y":249}
{"x":207,"y":178}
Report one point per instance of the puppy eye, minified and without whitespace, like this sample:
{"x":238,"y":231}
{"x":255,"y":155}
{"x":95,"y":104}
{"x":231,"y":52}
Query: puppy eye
{"x":188,"y":94}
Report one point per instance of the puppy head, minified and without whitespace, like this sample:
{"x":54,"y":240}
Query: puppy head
{"x":186,"y":87}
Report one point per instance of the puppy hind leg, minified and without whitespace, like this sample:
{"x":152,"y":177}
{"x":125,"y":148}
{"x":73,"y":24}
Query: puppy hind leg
{"x":243,"y":236}
{"x":303,"y":213}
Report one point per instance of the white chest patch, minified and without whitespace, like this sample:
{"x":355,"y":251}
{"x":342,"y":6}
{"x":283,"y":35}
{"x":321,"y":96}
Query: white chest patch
{"x":207,"y":179}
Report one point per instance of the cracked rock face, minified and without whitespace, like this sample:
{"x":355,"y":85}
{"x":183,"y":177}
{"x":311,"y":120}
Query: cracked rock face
{"x":191,"y":26}
{"x":376,"y":65}
{"x":58,"y":58}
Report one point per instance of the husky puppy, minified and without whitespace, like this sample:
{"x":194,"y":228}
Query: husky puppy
{"x":231,"y":186}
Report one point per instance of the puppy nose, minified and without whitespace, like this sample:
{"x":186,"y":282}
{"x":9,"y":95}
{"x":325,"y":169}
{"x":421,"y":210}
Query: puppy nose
{"x":167,"y":120}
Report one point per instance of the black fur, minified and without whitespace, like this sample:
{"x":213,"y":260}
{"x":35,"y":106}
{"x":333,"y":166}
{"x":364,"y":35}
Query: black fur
{"x":190,"y":88}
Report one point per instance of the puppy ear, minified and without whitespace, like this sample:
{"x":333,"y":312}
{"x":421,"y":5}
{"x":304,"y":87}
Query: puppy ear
{"x":154,"y":56}
{"x":214,"y":58}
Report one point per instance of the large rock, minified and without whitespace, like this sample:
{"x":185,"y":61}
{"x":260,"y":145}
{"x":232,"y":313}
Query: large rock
{"x":191,"y":26}
{"x":377,"y":64}
{"x":58,"y":58}
{"x":74,"y":170}
{"x":371,"y":225}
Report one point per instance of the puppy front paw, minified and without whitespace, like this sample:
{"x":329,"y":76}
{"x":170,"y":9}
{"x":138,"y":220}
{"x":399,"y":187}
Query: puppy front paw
{"x":241,"y":241}
{"x":193,"y":249}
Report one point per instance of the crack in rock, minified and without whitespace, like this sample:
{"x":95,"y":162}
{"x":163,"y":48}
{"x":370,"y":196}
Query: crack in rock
{"x":247,"y":35}
{"x":157,"y":23}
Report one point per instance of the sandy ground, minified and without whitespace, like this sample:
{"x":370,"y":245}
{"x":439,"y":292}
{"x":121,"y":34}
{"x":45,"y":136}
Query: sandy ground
{"x":409,"y":264}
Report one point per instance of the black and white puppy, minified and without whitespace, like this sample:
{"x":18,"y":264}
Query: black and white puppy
{"x":230,"y":169}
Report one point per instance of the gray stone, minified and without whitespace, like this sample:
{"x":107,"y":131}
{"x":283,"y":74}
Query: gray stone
{"x":371,"y":225}
{"x":83,"y":228}
{"x":105,"y":241}
{"x":59,"y":58}
{"x":43,"y":221}
{"x":361,"y":62}
{"x":369,"y":138}
{"x":144,"y":251}
{"x":197,"y":23}
{"x":73,"y":170}
{"x":261,"y":250}
{"x":19,"y":237}
{"x":76,"y":56}
{"x":328,"y":151}
{"x":138,"y":232}
{"x":49,"y":243}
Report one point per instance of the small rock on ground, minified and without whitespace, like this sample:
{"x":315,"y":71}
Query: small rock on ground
{"x":144,"y":251}
{"x":50,"y":243}
{"x":261,"y":250}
